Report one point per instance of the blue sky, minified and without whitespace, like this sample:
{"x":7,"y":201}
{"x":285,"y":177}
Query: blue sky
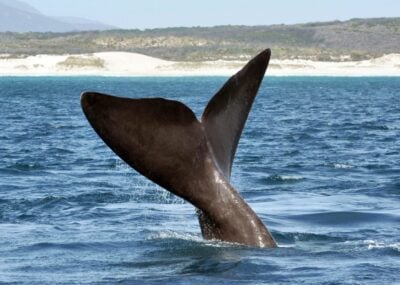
{"x":171,"y":13}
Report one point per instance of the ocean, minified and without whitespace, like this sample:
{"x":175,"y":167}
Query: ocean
{"x":318,"y":161}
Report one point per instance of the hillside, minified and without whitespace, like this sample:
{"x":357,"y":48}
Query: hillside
{"x":355,"y":39}
{"x":18,"y":16}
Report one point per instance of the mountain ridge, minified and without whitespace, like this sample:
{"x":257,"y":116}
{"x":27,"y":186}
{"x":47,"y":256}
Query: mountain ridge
{"x":18,"y":16}
{"x":23,"y":6}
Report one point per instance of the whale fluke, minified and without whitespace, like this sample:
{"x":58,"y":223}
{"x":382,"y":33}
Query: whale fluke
{"x":226,"y":113}
{"x":163,"y":140}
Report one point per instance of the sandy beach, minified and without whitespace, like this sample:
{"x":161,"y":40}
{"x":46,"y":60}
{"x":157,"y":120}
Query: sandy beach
{"x":132,"y":64}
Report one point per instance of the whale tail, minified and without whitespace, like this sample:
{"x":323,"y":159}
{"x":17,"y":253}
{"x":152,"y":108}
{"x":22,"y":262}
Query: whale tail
{"x":225,"y":115}
{"x":164,"y":141}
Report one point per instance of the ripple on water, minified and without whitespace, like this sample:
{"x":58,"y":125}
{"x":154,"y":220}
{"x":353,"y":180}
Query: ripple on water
{"x":280,"y":179}
{"x":345,"y":218}
{"x":318,"y":161}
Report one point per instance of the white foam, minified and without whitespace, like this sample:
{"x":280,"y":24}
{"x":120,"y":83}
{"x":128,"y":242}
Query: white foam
{"x":286,"y":245}
{"x":372,"y":244}
{"x":291,"y":177}
{"x":342,"y":166}
{"x":191,"y":237}
{"x":176,"y":235}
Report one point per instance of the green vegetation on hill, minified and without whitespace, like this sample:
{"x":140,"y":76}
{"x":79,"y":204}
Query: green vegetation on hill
{"x":356,"y":39}
{"x":79,"y":61}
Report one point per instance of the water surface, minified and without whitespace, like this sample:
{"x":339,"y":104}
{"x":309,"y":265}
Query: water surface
{"x":318,"y":161}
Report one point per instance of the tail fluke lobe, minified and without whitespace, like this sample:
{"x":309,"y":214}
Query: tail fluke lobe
{"x":227,"y":112}
{"x":161,"y":139}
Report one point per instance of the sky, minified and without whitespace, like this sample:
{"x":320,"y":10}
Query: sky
{"x":144,"y":14}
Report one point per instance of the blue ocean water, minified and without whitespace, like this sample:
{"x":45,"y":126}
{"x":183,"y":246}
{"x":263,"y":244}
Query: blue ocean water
{"x":318,"y":162}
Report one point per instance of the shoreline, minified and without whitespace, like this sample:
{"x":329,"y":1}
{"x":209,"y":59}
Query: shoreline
{"x":123,"y":64}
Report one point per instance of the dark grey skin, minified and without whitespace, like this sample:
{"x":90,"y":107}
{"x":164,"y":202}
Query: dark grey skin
{"x":163,"y":140}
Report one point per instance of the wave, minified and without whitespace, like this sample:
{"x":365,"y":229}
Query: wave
{"x":191,"y":238}
{"x":26,"y":166}
{"x":376,"y":166}
{"x":372,"y":244}
{"x":376,"y":126}
{"x":338,"y":165}
{"x":277,"y":179}
{"x":175,"y":235}
{"x":100,"y":198}
{"x":51,"y":201}
{"x":56,"y":206}
{"x":364,"y":125}
{"x":384,"y":247}
{"x":342,"y":166}
{"x":72,"y":246}
{"x":59,"y":151}
{"x":286,"y":238}
{"x":344,"y":218}
{"x":368,"y":166}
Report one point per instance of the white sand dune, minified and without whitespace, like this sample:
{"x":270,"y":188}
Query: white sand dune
{"x":132,"y":64}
